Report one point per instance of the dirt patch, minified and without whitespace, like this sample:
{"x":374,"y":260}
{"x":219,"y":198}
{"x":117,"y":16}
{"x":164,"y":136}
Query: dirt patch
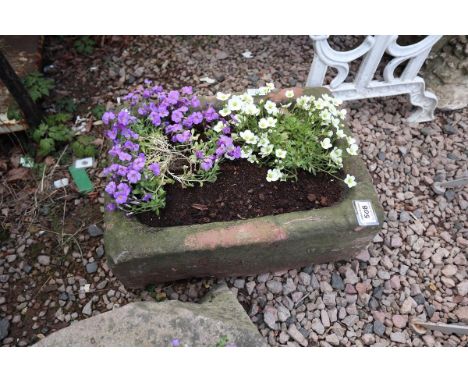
{"x":241,"y":192}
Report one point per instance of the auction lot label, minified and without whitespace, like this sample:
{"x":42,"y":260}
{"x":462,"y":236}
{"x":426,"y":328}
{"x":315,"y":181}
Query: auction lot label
{"x":365,"y":214}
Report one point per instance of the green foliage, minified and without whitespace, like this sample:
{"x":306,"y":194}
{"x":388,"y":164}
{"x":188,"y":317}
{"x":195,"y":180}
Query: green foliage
{"x":66,"y":105}
{"x":14,"y":113}
{"x":37,"y":85}
{"x":84,"y":45}
{"x":51,"y":133}
{"x":82,"y":147}
{"x":222,"y":342}
{"x":98,"y":111}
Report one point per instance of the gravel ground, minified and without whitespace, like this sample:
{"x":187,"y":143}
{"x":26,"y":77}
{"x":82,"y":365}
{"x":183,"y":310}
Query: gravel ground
{"x":416,"y":267}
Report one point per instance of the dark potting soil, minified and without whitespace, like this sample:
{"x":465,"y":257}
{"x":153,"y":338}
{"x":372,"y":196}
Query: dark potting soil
{"x":240,"y":192}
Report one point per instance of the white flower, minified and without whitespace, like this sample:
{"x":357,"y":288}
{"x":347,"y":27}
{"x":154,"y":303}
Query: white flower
{"x":304,"y":102}
{"x":350,"y":140}
{"x":252,"y":159}
{"x":326,"y":143}
{"x":319,"y":104}
{"x":263,"y":141}
{"x":246,"y":152}
{"x":263,"y":123}
{"x":325,"y":115}
{"x":222,"y":96}
{"x":248,"y":137}
{"x":225,"y":112}
{"x":337,"y":102}
{"x":263,"y":90}
{"x":271,"y":108}
{"x":340,"y":134}
{"x":330,"y":133}
{"x":336,"y":156}
{"x":350,"y":181}
{"x":335,"y":122}
{"x":280,"y":153}
{"x":289,"y":93}
{"x":246,"y":98}
{"x":218,"y":127}
{"x":270,"y":85}
{"x":274,"y":175}
{"x":266,"y":150}
{"x":251,"y":109}
{"x":353,"y":149}
{"x":271,"y":121}
{"x":235,"y":103}
{"x":342,"y":113}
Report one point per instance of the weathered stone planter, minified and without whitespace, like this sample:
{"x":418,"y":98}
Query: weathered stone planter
{"x":140,"y":255}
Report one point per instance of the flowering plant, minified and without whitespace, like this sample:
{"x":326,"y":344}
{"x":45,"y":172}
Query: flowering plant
{"x":305,"y":133}
{"x":163,"y":137}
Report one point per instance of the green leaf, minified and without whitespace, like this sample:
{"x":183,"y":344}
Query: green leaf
{"x":46,"y":146}
{"x":60,"y":133}
{"x":39,"y":132}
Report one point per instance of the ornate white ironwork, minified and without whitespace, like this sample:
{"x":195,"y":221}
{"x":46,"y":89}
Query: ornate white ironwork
{"x":364,"y":84}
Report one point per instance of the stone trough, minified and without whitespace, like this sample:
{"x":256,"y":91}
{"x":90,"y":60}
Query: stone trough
{"x":140,"y":255}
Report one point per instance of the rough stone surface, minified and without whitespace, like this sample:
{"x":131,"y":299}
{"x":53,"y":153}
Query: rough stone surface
{"x":157,"y":324}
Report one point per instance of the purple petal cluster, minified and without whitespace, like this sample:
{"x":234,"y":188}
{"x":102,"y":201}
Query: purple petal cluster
{"x":176,"y":113}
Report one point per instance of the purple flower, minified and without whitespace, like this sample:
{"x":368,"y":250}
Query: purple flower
{"x":173,"y":97}
{"x":207,"y":164}
{"x":124,"y":156}
{"x":172,"y":128}
{"x":226,"y":130}
{"x":131,"y":146}
{"x":112,"y":133}
{"x":123,"y":188}
{"x":155,"y":168}
{"x":197,"y":117}
{"x":199,"y":154}
{"x":143,"y":110}
{"x":175,"y":342}
{"x":177,"y":116}
{"x":234,"y":154}
{"x":111,"y":207}
{"x":210,"y":114}
{"x":124,"y":117}
{"x":195,"y":102}
{"x":224,"y":140}
{"x":147,"y":197}
{"x":182,"y":137}
{"x":111,"y":188}
{"x":162,"y":110}
{"x":121,"y":170}
{"x":155,"y":118}
{"x":187,"y":90}
{"x":120,"y":197}
{"x":139,"y":162}
{"x":220,"y":151}
{"x":107,"y":117}
{"x":133,"y":176}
